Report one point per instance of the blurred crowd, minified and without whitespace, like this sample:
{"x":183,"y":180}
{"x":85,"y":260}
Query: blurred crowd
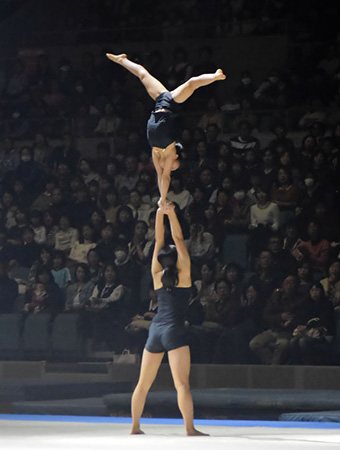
{"x":77,"y":233}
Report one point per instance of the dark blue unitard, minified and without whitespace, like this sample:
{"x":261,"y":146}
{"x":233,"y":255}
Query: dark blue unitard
{"x":167,"y":331}
{"x":162,"y":125}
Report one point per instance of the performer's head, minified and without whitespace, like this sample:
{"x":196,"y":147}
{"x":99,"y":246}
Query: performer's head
{"x":167,"y":257}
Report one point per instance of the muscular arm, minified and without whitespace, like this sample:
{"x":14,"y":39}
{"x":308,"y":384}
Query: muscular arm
{"x":177,"y":235}
{"x":159,"y":241}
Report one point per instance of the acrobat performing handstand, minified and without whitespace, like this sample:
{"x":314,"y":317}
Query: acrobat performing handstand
{"x":161,"y":130}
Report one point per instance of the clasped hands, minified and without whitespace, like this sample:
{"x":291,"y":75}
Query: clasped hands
{"x":166,"y":206}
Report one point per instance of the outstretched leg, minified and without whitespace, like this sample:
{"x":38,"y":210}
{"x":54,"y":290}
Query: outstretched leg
{"x":179,"y":361}
{"x":148,"y":372}
{"x":151,"y":84}
{"x":185,"y":90}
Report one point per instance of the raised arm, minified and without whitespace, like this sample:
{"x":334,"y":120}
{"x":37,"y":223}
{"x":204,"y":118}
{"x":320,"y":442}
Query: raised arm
{"x":183,"y":260}
{"x":159,"y":241}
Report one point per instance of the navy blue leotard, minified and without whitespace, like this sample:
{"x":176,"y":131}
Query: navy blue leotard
{"x":167,"y":331}
{"x":161,"y":128}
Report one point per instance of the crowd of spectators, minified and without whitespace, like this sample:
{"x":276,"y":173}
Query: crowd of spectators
{"x":83,"y":228}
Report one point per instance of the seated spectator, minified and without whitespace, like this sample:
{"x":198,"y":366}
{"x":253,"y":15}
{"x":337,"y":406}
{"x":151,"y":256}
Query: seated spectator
{"x":66,"y":152}
{"x":130,"y":175}
{"x":41,"y":150}
{"x":86,"y":170}
{"x":140,"y":209}
{"x":305,"y":276}
{"x":264,"y":217}
{"x":95,"y":265}
{"x":140,"y":247}
{"x":311,"y":342}
{"x":36,"y":219}
{"x":8,"y":251}
{"x":98,"y":221}
{"x":107,"y":244}
{"x":315,"y":113}
{"x":281,"y":142}
{"x":205,"y":285}
{"x":81,"y":208}
{"x":60,"y":272}
{"x":265,"y":279}
{"x":310,"y":195}
{"x":30,"y":172}
{"x":178,"y":194}
{"x":284,"y":194}
{"x":271,"y":93}
{"x":79,"y":292}
{"x":283,"y":312}
{"x":106,"y":308}
{"x":8,"y":291}
{"x":8,"y":207}
{"x":85,"y":243}
{"x":110,"y":204}
{"x":29,"y":250}
{"x":213,"y":225}
{"x":201,"y":159}
{"x":240,"y":219}
{"x":283,"y":260}
{"x":125,"y":223}
{"x":109,"y":124}
{"x":128,"y":269}
{"x":213,"y":115}
{"x":195,"y":210}
{"x":45,"y":295}
{"x":316,"y":249}
{"x":234,"y":275}
{"x":44,"y":200}
{"x":200,"y":245}
{"x":332,"y":279}
{"x":51,"y":227}
{"x":244,"y":140}
{"x":66,"y":236}
{"x":221,"y":308}
{"x":44,"y":260}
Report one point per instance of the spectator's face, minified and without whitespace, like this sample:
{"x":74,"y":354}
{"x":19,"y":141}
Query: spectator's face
{"x":135,"y":199}
{"x":96,"y":218}
{"x":223,"y":150}
{"x":289,"y":285}
{"x":140,"y":230}
{"x":111,"y":198}
{"x":313,"y":230}
{"x":110,"y":275}
{"x":280,"y":132}
{"x":186,"y":136}
{"x":111,"y":169}
{"x":44,"y":278}
{"x":268,"y":158}
{"x":7,"y":199}
{"x":206,"y":177}
{"x":48,"y":220}
{"x":212,"y":133}
{"x":232,"y":275}
{"x":285,"y":159}
{"x":64,"y":223}
{"x":87,"y":232}
{"x":206,"y":273}
{"x":202,"y":149}
{"x":221,"y":165}
{"x":310,"y":143}
{"x":282,"y":177}
{"x":261,"y":196}
{"x":80,"y":274}
{"x":45,"y":256}
{"x":222,"y":290}
{"x":28,"y":236}
{"x":124,"y":216}
{"x":222,"y":199}
{"x":275,"y":245}
{"x":107,"y":233}
{"x":131,"y":165}
{"x":303,"y":271}
{"x":265,"y":260}
{"x":84,"y":167}
{"x":197,"y":194}
{"x":57,"y":196}
{"x":209,"y":212}
{"x":291,"y":232}
{"x":227,"y":183}
{"x":315,"y":293}
{"x":57,"y":263}
{"x":334,"y":270}
{"x":93,"y":258}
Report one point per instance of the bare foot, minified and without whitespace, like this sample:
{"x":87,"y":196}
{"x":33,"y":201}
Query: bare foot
{"x":116,"y":58}
{"x":220,"y":75}
{"x":195,"y":432}
{"x":137,"y":431}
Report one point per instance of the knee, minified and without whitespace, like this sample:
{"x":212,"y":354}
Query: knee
{"x":142,"y":73}
{"x":182,"y":386}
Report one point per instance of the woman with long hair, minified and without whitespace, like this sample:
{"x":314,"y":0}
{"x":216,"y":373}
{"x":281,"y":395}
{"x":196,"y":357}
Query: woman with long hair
{"x":161,"y":129}
{"x":172,"y":282}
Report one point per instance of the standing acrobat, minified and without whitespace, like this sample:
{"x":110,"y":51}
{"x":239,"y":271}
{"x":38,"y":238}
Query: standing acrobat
{"x":161,"y":130}
{"x":172,"y":283}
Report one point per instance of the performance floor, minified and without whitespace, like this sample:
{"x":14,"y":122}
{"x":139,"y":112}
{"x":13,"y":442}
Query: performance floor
{"x":104,"y":433}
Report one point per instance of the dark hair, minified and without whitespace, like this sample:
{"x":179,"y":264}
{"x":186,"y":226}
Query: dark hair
{"x":85,"y":268}
{"x":169,"y":253}
{"x":59,"y":254}
{"x":169,"y":278}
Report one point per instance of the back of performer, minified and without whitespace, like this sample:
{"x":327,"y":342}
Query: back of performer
{"x":172,"y":305}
